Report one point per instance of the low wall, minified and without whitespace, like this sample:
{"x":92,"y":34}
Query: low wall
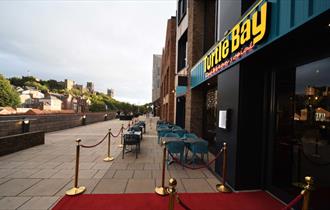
{"x":14,"y":143}
{"x":13,"y":124}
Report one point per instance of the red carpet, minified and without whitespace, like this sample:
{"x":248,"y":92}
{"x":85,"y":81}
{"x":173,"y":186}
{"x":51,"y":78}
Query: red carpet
{"x":195,"y":201}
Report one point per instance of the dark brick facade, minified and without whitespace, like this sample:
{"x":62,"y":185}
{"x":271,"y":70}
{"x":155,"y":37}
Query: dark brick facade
{"x":12,"y":124}
{"x":14,"y":143}
{"x":167,"y":78}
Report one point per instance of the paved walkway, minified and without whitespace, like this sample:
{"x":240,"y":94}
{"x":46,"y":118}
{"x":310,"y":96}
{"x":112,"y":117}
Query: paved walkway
{"x":37,"y":177}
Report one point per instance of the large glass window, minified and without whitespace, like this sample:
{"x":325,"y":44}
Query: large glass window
{"x":302,"y":130}
{"x":182,"y":9}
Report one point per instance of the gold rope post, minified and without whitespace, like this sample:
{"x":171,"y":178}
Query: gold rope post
{"x":162,"y":190}
{"x":223,"y":187}
{"x":306,"y":192}
{"x":109,"y":157}
{"x":76,"y":190}
{"x":172,"y":191}
{"x":121,"y":136}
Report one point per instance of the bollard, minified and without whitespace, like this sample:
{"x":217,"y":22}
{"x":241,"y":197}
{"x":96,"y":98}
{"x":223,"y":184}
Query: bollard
{"x":223,"y":187}
{"x":121,"y":136}
{"x":109,"y":158}
{"x":172,"y":191}
{"x":306,"y":192}
{"x":76,"y":190}
{"x":162,"y":190}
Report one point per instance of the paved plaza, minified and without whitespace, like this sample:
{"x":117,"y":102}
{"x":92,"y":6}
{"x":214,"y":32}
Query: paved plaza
{"x":38,"y":177}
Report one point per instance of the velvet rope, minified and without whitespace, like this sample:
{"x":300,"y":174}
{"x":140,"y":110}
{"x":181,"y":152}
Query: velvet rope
{"x":293,"y":202}
{"x":183,"y":205}
{"x":117,"y":134}
{"x":195,"y":168}
{"x":90,"y":146}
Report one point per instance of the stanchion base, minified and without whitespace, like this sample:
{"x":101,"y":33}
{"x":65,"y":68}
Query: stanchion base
{"x":76,"y":190}
{"x":161,"y":191}
{"x":108,"y":159}
{"x":223,"y":188}
{"x":120,"y":146}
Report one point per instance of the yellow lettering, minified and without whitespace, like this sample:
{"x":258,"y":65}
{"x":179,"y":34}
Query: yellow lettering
{"x":216,"y":56}
{"x":205,"y":69}
{"x":207,"y":63}
{"x":225,"y":48}
{"x":259,"y":30}
{"x":219,"y":53}
{"x":235,"y":38}
{"x":246,"y":31}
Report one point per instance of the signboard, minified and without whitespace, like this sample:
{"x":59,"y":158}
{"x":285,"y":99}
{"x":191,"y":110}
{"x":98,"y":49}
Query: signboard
{"x":223,"y":119}
{"x":240,"y":40}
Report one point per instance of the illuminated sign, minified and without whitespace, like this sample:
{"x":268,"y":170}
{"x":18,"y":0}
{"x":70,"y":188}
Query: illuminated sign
{"x":240,"y":41}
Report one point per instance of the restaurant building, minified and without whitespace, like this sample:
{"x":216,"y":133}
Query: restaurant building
{"x":167,"y":75}
{"x":258,"y":78}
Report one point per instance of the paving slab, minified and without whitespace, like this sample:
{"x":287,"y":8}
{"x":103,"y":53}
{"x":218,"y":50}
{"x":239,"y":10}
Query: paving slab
{"x":5,"y":172}
{"x":14,"y":187}
{"x":140,"y":186}
{"x":46,"y":187}
{"x":123,"y":174}
{"x":44,"y":173}
{"x":3,"y":180}
{"x":110,"y":186}
{"x":39,"y":203}
{"x":23,"y":173}
{"x":196,"y":185}
{"x":142,"y":174}
{"x":135,"y":165}
{"x":99,"y":174}
{"x":8,"y":203}
{"x":109,"y":174}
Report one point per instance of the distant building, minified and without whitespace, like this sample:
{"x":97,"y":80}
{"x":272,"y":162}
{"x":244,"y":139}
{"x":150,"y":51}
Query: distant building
{"x":69,"y":84}
{"x":79,"y":87}
{"x":51,"y":103}
{"x":157,"y":61}
{"x":110,"y":92}
{"x":90,"y":87}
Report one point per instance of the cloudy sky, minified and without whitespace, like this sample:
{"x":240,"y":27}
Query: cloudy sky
{"x":108,"y":42}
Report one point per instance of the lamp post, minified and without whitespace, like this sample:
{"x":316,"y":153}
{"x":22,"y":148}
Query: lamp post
{"x":25,"y":125}
{"x":84,"y":120}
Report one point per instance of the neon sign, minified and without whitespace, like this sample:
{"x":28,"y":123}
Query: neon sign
{"x":239,"y":42}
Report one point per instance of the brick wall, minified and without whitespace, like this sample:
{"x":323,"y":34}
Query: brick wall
{"x":194,"y":111}
{"x":14,"y":143}
{"x":200,"y":37}
{"x":12,"y":124}
{"x":168,"y":72}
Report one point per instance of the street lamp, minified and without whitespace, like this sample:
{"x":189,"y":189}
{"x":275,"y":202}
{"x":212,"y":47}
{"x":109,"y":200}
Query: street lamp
{"x":84,"y":120}
{"x":25,"y":125}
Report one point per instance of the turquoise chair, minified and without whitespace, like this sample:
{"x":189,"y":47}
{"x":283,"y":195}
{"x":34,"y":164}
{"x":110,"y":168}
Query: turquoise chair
{"x":174,"y":147}
{"x":180,"y":132}
{"x":200,"y":147}
{"x":190,"y":135}
{"x":162,"y":133}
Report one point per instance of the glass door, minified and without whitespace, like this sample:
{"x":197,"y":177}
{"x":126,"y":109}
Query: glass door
{"x":301,"y":132}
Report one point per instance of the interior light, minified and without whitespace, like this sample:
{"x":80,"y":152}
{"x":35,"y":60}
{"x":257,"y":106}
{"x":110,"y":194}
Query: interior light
{"x":26,"y":121}
{"x":84,"y":117}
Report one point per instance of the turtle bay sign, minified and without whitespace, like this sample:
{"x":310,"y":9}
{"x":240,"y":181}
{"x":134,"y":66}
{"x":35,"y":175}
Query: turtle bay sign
{"x":239,"y":42}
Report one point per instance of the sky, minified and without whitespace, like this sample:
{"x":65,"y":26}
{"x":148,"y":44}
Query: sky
{"x":110,"y":43}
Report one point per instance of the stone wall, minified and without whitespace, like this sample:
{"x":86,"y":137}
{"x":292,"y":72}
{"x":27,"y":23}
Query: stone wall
{"x":14,"y":143}
{"x":13,"y":124}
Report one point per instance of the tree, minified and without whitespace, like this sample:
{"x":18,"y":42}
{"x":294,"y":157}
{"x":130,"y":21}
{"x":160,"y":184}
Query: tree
{"x":8,"y":95}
